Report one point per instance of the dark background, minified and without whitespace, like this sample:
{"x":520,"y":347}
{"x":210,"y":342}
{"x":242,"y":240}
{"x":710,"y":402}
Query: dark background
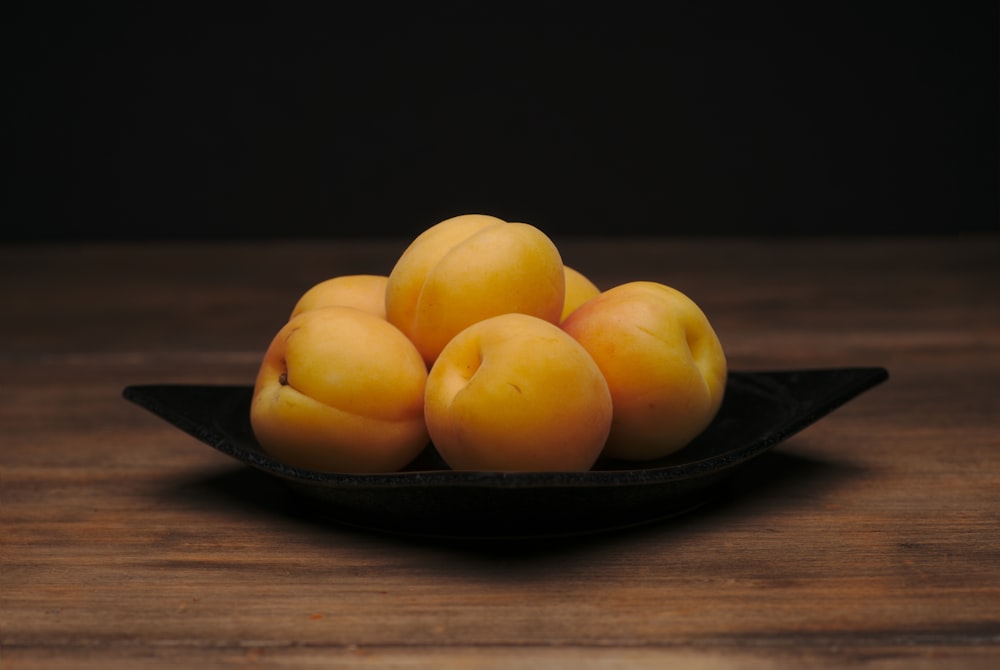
{"x":754,"y":118}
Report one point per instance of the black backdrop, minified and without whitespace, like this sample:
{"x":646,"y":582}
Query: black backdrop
{"x":751,"y":118}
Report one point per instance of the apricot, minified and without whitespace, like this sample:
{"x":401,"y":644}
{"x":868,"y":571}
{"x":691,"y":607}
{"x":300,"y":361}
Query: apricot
{"x":579,"y":289}
{"x":340,"y":390}
{"x":470,"y":268}
{"x":514,"y":393}
{"x":663,"y":362}
{"x":364,"y":292}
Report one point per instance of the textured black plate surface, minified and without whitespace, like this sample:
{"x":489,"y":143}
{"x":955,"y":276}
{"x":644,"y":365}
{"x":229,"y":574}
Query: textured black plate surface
{"x":760,"y":410}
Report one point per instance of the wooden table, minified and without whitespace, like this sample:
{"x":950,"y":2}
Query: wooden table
{"x":871,"y":537}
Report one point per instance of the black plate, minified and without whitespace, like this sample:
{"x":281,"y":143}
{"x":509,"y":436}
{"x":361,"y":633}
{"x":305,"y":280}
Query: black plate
{"x":760,"y":410}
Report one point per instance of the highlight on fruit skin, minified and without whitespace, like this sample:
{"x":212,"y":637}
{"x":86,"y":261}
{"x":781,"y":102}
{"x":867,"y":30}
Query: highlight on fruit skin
{"x":663,"y":361}
{"x":340,"y":390}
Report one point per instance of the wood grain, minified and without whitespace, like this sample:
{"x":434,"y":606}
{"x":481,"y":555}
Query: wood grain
{"x":869,"y":539}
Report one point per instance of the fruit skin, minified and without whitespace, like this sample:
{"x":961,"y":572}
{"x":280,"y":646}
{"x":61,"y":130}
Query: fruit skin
{"x":663,"y":362}
{"x":579,"y":289}
{"x":364,"y":292}
{"x":340,"y":390}
{"x":469,"y":268}
{"x":516,"y":393}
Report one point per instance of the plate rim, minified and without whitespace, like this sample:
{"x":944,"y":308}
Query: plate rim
{"x":861,"y":379}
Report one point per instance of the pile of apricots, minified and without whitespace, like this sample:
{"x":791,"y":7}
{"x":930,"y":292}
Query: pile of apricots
{"x":481,"y":341}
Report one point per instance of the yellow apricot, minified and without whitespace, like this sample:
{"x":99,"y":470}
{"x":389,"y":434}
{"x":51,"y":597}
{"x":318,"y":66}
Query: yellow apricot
{"x":469,"y":268}
{"x":663,"y":362}
{"x":364,"y":292}
{"x":516,"y":393}
{"x":579,"y":289}
{"x":340,"y":390}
